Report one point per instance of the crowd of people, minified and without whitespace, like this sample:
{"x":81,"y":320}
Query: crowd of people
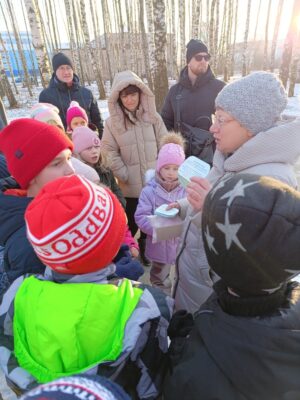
{"x":76,"y":204}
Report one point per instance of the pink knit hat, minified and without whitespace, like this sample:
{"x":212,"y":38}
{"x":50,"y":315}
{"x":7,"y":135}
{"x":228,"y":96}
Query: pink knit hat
{"x":170,"y":153}
{"x":46,"y":112}
{"x":83,"y":138}
{"x":73,"y":111}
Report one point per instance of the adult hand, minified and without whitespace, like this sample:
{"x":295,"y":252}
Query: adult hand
{"x":196,"y":191}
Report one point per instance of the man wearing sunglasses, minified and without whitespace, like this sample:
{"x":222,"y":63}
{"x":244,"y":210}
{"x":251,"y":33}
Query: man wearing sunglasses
{"x":191,"y":101}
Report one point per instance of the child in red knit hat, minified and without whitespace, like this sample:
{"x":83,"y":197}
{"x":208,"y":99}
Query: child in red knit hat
{"x":36,"y":153}
{"x":75,"y":318}
{"x":87,"y":148}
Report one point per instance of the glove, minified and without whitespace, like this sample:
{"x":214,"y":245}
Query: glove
{"x":126,"y":266}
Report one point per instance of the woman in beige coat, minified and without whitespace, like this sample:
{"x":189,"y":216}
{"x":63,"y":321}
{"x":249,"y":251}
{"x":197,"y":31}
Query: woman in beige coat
{"x":130,"y":138}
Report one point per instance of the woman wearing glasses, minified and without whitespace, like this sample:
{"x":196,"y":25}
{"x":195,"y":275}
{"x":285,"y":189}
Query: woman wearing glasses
{"x":250,"y":138}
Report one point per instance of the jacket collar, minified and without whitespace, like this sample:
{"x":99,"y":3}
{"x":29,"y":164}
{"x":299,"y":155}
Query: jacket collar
{"x":201,"y":80}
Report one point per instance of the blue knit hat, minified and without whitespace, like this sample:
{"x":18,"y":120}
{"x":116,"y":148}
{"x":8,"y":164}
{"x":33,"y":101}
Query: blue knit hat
{"x":78,"y":387}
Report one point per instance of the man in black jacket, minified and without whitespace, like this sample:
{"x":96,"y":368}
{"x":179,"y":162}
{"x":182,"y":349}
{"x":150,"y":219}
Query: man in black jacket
{"x":64,"y":87}
{"x":195,"y":91}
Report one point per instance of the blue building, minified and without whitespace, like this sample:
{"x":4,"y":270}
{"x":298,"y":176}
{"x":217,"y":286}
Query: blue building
{"x":31,"y":66}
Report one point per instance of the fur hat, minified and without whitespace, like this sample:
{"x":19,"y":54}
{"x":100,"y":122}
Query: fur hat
{"x":60,"y":59}
{"x":74,"y":226}
{"x":73,"y":111}
{"x":171,"y":150}
{"x":251,"y":230}
{"x":78,"y":387}
{"x":47,"y":113}
{"x":255,"y":101}
{"x":83,"y":138}
{"x":29,"y":146}
{"x":194,"y":47}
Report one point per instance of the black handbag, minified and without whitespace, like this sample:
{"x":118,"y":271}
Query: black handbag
{"x":199,"y":142}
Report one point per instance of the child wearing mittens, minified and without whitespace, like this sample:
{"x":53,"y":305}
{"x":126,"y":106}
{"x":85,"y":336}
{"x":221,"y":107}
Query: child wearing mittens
{"x":163,"y":188}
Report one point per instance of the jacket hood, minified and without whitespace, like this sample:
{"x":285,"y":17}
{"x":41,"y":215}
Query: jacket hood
{"x":280,"y":144}
{"x":200,"y":81}
{"x":147,"y":109}
{"x":267,"y":367}
{"x":12,"y":210}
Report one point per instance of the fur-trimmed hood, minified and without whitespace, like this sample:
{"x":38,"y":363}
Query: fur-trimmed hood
{"x":147,"y":109}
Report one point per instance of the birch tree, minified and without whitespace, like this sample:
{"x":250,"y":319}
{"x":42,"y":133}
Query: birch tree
{"x":4,"y":82}
{"x":145,"y":45}
{"x":37,"y":42}
{"x":151,"y":45}
{"x":5,"y":57}
{"x":245,"y":44}
{"x":275,"y":35}
{"x":265,"y":62}
{"x":181,"y":10}
{"x":289,"y":42}
{"x":19,"y":47}
{"x":234,"y":38}
{"x":160,"y":75}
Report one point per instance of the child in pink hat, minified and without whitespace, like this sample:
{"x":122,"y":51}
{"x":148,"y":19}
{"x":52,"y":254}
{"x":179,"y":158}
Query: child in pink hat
{"x":76,"y":116}
{"x":87,"y":148}
{"x":163,"y":188}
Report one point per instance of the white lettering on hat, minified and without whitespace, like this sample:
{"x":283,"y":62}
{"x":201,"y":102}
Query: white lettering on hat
{"x":78,"y":236}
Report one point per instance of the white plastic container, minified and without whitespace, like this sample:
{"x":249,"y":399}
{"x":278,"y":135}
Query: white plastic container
{"x":162,"y":211}
{"x":192,"y":166}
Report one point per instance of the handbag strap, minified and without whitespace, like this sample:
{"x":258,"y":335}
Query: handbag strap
{"x":178,"y":97}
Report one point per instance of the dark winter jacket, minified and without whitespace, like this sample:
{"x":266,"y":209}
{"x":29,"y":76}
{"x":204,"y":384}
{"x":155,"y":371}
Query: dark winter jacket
{"x":60,"y":95}
{"x":228,"y":357}
{"x":196,"y":100}
{"x":19,"y":257}
{"x":107,"y":178}
{"x":3,"y":167}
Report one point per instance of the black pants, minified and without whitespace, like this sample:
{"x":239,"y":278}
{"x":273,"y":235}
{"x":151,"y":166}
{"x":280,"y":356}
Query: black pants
{"x":131,"y":205}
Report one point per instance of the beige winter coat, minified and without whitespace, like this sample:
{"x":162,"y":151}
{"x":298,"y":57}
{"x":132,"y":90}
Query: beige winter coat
{"x":132,"y":150}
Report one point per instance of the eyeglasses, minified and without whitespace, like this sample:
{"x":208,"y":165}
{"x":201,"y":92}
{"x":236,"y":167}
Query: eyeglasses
{"x":221,"y":121}
{"x":199,"y":57}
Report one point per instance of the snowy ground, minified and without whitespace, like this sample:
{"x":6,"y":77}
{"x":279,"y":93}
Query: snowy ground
{"x":26,"y":102}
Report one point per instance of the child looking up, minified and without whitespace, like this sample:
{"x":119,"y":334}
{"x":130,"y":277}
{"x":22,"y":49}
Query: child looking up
{"x":163,"y":188}
{"x":87,"y":148}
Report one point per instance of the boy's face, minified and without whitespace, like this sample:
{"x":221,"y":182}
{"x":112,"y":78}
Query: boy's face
{"x":77,"y":121}
{"x":60,"y":166}
{"x":169,"y":172}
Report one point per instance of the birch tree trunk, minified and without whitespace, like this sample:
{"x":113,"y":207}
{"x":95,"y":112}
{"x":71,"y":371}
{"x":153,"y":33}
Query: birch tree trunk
{"x":6,"y":86}
{"x":5,"y":56}
{"x":19,"y":47}
{"x":228,"y":41}
{"x":37,"y":41}
{"x":160,"y":76}
{"x":105,"y":17}
{"x":181,"y":10}
{"x":29,"y":41}
{"x":174,"y":47}
{"x":232,"y":64}
{"x":275,"y":35}
{"x":195,"y":18}
{"x":245,"y":45}
{"x":265,"y":62}
{"x":145,"y":45}
{"x":288,"y":44}
{"x":71,"y":34}
{"x":95,"y":65}
{"x":151,"y":45}
{"x":211,"y":40}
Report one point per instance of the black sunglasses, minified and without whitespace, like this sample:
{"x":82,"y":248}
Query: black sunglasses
{"x":199,"y":57}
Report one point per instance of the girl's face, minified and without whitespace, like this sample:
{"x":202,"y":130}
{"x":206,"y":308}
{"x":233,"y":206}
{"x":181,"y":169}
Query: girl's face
{"x":169,"y":172}
{"x":91,"y":155}
{"x":77,"y":121}
{"x":130,"y":101}
{"x":228,"y":133}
